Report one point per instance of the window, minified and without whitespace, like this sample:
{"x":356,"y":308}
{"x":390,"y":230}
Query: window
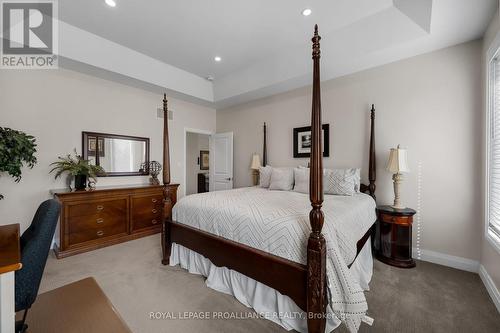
{"x":493,"y":153}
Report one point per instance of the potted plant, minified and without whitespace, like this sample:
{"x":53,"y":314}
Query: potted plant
{"x":16,"y":149}
{"x":79,"y":168}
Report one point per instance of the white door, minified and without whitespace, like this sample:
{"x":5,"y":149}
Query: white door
{"x":221,"y":170}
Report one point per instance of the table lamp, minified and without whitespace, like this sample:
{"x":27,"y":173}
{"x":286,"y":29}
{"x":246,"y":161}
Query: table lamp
{"x":255,"y":167}
{"x":397,"y":165}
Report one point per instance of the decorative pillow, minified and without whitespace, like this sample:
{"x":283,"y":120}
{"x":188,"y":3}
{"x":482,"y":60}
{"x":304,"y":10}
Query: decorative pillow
{"x":301,"y":176}
{"x":340,"y":181}
{"x":265,"y":176}
{"x":281,"y":179}
{"x":357,"y":176}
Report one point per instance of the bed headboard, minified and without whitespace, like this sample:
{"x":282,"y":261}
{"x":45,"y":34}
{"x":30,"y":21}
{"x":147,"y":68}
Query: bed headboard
{"x":264,"y":147}
{"x":372,"y":167}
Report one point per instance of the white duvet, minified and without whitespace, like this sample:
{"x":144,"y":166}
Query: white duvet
{"x":277,"y":222}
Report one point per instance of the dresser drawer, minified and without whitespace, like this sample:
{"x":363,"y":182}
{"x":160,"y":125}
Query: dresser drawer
{"x":146,"y":219}
{"x":404,"y":220}
{"x":146,"y":222}
{"x":93,"y":234}
{"x":147,"y":204}
{"x":146,"y":211}
{"x":96,"y":221}
{"x":107,"y":207}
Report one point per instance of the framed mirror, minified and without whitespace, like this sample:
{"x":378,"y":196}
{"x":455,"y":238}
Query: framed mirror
{"x":118,"y":155}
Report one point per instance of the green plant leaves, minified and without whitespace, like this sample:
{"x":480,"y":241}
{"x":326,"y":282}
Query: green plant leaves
{"x":76,"y":165}
{"x":16,"y":150}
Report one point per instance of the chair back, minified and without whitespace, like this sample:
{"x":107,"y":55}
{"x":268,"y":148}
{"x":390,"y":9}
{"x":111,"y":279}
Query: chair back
{"x":35,"y":246}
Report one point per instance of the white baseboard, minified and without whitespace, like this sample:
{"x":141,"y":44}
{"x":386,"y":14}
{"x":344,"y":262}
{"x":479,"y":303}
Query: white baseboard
{"x":490,"y":286}
{"x":464,"y":264}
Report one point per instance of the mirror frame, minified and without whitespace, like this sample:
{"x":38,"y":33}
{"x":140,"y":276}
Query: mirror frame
{"x":85,"y":136}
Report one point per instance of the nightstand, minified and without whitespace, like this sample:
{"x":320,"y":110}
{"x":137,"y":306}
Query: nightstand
{"x":393,"y":236}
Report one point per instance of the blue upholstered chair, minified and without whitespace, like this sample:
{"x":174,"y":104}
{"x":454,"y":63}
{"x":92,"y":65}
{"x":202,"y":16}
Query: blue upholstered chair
{"x":35,"y":246}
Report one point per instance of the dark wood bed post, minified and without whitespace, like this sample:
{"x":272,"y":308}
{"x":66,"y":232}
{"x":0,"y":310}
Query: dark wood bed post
{"x":264,"y":153}
{"x":372,"y":168}
{"x":316,"y":246}
{"x":167,"y":202}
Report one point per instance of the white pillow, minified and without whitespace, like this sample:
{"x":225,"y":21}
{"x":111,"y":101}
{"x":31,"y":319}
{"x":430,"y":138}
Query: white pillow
{"x":301,"y":176}
{"x":281,"y":179}
{"x":357,"y":176}
{"x":340,"y":181}
{"x":265,"y":176}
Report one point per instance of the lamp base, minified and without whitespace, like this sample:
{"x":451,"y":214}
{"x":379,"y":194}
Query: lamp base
{"x":255,"y":176}
{"x":397,"y":178}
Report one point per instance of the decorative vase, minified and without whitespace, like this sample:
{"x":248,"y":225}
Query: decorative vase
{"x":80,"y":182}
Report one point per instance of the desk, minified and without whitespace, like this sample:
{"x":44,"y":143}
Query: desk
{"x":10,"y":261}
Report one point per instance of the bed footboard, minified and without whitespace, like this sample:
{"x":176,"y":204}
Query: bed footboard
{"x":287,"y":277}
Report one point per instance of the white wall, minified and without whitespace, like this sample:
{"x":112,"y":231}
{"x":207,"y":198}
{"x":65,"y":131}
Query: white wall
{"x":490,"y":257}
{"x":57,"y":105}
{"x":429,"y":104}
{"x":194,"y":143}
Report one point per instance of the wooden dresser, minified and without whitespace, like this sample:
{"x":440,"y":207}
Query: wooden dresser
{"x":109,"y":215}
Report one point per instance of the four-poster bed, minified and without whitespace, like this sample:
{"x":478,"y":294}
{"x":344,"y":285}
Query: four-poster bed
{"x":304,"y":283}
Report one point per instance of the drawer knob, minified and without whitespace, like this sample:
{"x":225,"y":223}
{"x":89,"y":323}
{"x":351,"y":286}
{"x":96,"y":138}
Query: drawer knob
{"x":154,"y":211}
{"x":100,"y":207}
{"x":153,"y":200}
{"x":99,"y":221}
{"x":100,"y":233}
{"x":154,"y":221}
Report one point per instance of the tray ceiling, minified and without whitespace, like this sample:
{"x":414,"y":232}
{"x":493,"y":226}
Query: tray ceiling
{"x":264,"y":45}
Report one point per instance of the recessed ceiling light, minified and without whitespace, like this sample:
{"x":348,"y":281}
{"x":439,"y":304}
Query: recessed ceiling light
{"x":218,"y":59}
{"x":307,"y":12}
{"x":110,"y":3}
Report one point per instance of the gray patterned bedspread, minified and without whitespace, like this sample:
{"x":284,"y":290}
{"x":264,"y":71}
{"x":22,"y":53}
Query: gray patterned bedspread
{"x":277,"y":222}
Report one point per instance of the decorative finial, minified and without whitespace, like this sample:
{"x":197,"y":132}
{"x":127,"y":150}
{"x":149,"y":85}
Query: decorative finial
{"x":165,"y":101}
{"x":315,"y":40}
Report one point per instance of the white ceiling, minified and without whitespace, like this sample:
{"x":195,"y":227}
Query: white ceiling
{"x":265,"y":45}
{"x":189,"y":33}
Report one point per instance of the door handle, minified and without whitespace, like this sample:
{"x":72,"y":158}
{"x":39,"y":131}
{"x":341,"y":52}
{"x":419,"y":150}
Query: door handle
{"x":228,"y":179}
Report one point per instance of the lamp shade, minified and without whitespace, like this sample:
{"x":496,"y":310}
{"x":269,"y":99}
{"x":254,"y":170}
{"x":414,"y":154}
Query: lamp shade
{"x":255,"y":162}
{"x":398,"y":162}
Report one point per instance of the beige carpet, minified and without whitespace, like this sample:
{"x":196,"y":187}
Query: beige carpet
{"x":430,"y":298}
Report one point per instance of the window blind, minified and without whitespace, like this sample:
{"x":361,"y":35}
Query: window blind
{"x":494,"y":153}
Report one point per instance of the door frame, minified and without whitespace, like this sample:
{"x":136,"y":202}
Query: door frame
{"x":197,"y":131}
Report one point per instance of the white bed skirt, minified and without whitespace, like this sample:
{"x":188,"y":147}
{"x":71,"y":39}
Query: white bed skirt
{"x":266,"y":301}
